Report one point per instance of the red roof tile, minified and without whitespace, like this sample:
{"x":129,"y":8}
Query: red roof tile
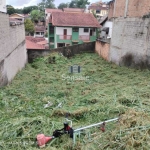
{"x":43,"y":42}
{"x":73,"y":10}
{"x":32,"y":45}
{"x":52,"y":10}
{"x":74,"y":19}
{"x":35,"y":40}
{"x":39,"y":28}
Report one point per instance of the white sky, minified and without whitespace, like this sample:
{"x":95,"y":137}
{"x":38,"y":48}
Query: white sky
{"x":25,"y":3}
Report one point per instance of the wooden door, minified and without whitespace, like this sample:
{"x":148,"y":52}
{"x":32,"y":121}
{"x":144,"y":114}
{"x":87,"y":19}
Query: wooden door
{"x":65,"y":33}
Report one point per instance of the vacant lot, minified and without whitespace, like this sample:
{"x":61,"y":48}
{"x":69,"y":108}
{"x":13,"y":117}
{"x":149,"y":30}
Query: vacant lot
{"x":110,"y":92}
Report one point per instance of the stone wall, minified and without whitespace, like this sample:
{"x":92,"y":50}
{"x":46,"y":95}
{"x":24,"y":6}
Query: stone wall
{"x":13,"y":55}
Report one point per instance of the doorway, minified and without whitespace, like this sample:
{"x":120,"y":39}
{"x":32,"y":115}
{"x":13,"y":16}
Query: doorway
{"x":65,"y":33}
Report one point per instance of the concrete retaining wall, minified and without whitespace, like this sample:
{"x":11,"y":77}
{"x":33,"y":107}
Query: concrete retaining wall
{"x":13,"y":56}
{"x":131,"y":36}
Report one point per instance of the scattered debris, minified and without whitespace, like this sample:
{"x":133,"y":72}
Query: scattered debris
{"x":60,"y":54}
{"x":48,"y":104}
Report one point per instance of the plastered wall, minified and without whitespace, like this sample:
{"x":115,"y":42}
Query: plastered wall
{"x":13,"y":56}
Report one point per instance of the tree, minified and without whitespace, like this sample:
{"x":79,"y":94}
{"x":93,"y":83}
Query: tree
{"x":18,"y":11}
{"x":73,"y":4}
{"x":82,"y":3}
{"x":46,"y":4}
{"x":27,"y":10}
{"x":29,"y":27}
{"x":10,"y":9}
{"x":36,"y":15}
{"x":78,"y":3}
{"x":62,"y":5}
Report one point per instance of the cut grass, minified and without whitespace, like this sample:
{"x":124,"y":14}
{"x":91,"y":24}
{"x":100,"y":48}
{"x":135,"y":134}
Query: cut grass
{"x":111,"y":91}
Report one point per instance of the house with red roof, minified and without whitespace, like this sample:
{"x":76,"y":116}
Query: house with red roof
{"x":39,"y":31}
{"x":34,"y":43}
{"x":68,"y":28}
{"x":48,"y":12}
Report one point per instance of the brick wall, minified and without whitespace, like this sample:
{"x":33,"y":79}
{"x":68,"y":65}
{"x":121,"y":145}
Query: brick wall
{"x":12,"y":49}
{"x":119,"y":8}
{"x":111,"y":10}
{"x":135,"y":8}
{"x":138,"y":8}
{"x":102,"y":49}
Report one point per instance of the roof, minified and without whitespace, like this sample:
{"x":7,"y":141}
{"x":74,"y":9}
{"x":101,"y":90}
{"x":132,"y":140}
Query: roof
{"x":14,"y":20}
{"x":19,"y":15}
{"x":52,"y":10}
{"x":103,"y":19}
{"x":35,"y":40}
{"x":39,"y":28}
{"x":74,"y":19}
{"x":42,"y":42}
{"x":34,"y":43}
{"x":73,"y":10}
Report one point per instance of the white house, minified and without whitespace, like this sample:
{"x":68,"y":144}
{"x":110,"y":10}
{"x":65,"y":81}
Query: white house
{"x":107,"y":28}
{"x":39,"y":31}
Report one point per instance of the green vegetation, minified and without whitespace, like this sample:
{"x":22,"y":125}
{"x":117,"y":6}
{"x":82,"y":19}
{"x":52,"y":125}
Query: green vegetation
{"x":36,"y":15}
{"x":25,"y":10}
{"x":78,"y":3}
{"x":62,"y":5}
{"x":111,"y":91}
{"x":10,"y":9}
{"x":29,"y":27}
{"x":46,"y":4}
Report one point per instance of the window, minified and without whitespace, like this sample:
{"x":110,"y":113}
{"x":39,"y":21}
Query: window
{"x":37,"y":33}
{"x":51,"y":39}
{"x":86,"y":30}
{"x":91,"y":32}
{"x":51,"y":29}
{"x":74,"y":43}
{"x":75,"y":29}
{"x":98,"y":11}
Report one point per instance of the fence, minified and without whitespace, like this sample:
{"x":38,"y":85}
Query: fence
{"x":74,"y":49}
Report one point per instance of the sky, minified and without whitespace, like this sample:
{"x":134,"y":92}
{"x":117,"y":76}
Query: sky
{"x":25,"y":3}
